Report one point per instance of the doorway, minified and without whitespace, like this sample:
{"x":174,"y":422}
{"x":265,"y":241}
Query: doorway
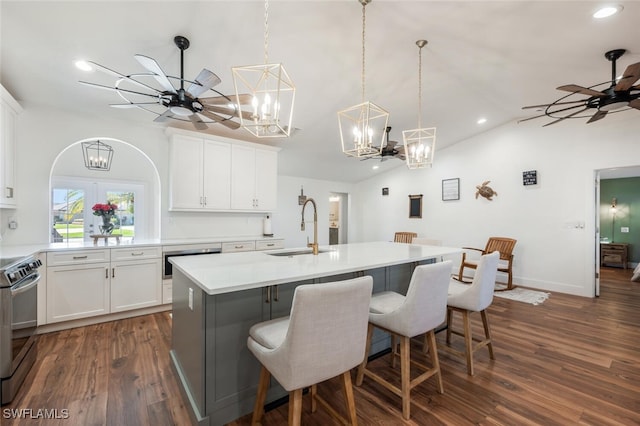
{"x":612,"y":215}
{"x":338,"y":218}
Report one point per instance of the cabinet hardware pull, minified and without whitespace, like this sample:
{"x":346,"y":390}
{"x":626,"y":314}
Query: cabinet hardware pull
{"x":106,"y":272}
{"x":268,"y":295}
{"x":79,"y":257}
{"x":239,"y":247}
{"x":113,"y":272}
{"x":205,"y":201}
{"x":275,"y":299}
{"x":140,"y":253}
{"x":9,"y":192}
{"x":270,"y":245}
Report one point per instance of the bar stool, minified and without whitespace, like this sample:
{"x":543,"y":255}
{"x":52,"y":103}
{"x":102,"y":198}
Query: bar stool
{"x":419,"y":312}
{"x":468,"y":298}
{"x":324,"y":337}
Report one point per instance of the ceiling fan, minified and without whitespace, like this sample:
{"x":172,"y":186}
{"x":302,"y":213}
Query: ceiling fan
{"x":155,"y":92}
{"x":390,"y":149}
{"x":620,"y":94}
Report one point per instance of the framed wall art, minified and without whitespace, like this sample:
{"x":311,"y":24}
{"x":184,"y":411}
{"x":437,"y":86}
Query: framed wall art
{"x":450,"y":189}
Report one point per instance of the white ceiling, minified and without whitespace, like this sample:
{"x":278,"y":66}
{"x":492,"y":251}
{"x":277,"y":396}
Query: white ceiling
{"x":484,"y":59}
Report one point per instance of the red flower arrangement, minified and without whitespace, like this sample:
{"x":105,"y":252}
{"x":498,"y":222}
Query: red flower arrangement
{"x":107,"y":210}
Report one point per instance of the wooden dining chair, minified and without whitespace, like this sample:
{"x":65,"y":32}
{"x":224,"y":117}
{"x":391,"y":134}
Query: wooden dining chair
{"x":404,"y":237}
{"x":505,"y":264}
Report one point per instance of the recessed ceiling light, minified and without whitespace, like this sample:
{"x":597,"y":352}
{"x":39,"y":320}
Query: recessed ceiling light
{"x":481,"y":120}
{"x":606,"y":11}
{"x":83,"y":65}
{"x":375,"y":167}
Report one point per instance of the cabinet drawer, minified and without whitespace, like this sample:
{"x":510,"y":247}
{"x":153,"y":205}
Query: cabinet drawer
{"x":136,"y":253}
{"x":238,"y":246}
{"x":269,"y":245}
{"x":612,"y":258}
{"x":58,"y":258}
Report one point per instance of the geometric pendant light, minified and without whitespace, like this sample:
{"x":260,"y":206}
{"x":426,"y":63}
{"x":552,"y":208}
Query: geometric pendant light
{"x":419,"y":144}
{"x":362,"y":126}
{"x":272,"y":91}
{"x":97,"y":155}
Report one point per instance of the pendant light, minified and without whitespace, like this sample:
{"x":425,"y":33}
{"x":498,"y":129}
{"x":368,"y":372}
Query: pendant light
{"x":272,"y":92}
{"x":362,"y":126}
{"x":97,"y":155}
{"x":419,"y":144}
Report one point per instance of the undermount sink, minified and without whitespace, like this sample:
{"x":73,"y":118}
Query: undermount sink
{"x":292,"y":253}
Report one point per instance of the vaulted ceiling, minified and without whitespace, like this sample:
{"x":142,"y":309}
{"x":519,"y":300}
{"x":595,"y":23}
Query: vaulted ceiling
{"x":484,"y":59}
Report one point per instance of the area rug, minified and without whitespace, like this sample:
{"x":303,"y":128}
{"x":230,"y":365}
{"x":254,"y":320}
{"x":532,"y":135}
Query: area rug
{"x":524,"y":295}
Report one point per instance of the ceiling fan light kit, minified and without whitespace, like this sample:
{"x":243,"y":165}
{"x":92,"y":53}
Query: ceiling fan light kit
{"x":419,"y":144}
{"x":272,"y":94}
{"x":621,"y":95}
{"x":362,"y":126}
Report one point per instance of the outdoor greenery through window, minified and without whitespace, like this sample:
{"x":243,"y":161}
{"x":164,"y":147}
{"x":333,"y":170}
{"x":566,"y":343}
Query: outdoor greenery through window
{"x":72,"y":216}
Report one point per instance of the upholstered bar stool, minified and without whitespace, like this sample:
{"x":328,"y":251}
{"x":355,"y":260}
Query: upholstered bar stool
{"x":417,"y":313}
{"x":468,"y":298}
{"x":324,"y":337}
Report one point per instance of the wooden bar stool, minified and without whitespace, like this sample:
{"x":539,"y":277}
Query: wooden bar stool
{"x":324,"y":337}
{"x":476,"y":297}
{"x":417,"y":313}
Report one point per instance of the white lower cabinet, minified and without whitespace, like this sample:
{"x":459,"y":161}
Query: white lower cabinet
{"x":87,"y":283}
{"x":135,"y":284}
{"x":77,"y":291}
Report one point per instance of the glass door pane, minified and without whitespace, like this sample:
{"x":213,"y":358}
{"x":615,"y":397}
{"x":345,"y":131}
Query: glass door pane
{"x":124,"y":219}
{"x":68,"y":214}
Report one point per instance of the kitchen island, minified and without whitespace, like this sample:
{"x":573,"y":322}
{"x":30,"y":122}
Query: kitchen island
{"x":218,"y":297}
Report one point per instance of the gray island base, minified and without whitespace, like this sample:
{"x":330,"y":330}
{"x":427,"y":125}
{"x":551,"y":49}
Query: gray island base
{"x":218,"y":297}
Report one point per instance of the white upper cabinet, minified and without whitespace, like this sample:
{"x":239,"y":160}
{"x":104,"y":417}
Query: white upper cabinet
{"x":221,"y":175}
{"x":200,"y":174}
{"x":9,"y":110}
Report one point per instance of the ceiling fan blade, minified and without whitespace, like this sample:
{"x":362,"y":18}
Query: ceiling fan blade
{"x":565,"y":117}
{"x":630,"y":76}
{"x":554,"y":112}
{"x":574,"y":88}
{"x":205,"y":81}
{"x":554,"y":103}
{"x":635,"y":104}
{"x":599,"y":115}
{"x":116,"y":89}
{"x":164,"y":116}
{"x":219,"y":119}
{"x":151,"y":65}
{"x":229,"y":111}
{"x":197,"y":123}
{"x":245,"y":99}
{"x":119,"y":75}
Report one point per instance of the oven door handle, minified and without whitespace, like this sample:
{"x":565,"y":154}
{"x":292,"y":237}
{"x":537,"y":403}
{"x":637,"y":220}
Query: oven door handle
{"x":25,"y":286}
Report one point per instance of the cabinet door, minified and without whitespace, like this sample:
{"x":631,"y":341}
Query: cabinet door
{"x":217,"y":175}
{"x":135,"y":284}
{"x":77,"y":291}
{"x":185,"y":175}
{"x":266,"y":180}
{"x":243,"y":178}
{"x":7,"y":156}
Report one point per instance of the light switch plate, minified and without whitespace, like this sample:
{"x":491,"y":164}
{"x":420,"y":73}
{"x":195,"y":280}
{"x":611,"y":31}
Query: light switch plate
{"x":624,"y":229}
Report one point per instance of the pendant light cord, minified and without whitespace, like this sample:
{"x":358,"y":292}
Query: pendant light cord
{"x":364,"y":4}
{"x":266,"y":31}
{"x":420,"y":88}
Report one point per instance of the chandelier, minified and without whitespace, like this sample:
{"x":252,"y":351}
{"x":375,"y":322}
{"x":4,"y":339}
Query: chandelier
{"x":272,"y":94}
{"x":419,"y":144}
{"x":362,"y":126}
{"x":97,"y":155}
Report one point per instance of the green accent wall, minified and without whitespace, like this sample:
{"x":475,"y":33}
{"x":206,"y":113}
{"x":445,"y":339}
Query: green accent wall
{"x":627,"y":194}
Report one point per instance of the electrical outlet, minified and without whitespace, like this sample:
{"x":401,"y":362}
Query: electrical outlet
{"x":191,"y":298}
{"x":13,"y":224}
{"x":624,"y":229}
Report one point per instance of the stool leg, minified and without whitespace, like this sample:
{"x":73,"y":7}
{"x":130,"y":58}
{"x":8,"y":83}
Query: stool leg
{"x":258,"y":408}
{"x":295,"y":407}
{"x":362,"y":366}
{"x":449,"y":324}
{"x":405,"y":373}
{"x":349,"y":399}
{"x":468,"y":341}
{"x":431,"y":338}
{"x":394,"y":350}
{"x":314,"y":402}
{"x":487,"y":332}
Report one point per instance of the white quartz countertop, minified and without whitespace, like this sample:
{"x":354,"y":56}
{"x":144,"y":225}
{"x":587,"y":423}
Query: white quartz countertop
{"x":10,"y":251}
{"x":229,"y":272}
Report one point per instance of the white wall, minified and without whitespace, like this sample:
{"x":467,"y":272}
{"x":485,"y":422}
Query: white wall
{"x":553,"y":221}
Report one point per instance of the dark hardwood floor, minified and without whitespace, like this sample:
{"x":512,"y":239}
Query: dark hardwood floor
{"x":569,"y":361}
